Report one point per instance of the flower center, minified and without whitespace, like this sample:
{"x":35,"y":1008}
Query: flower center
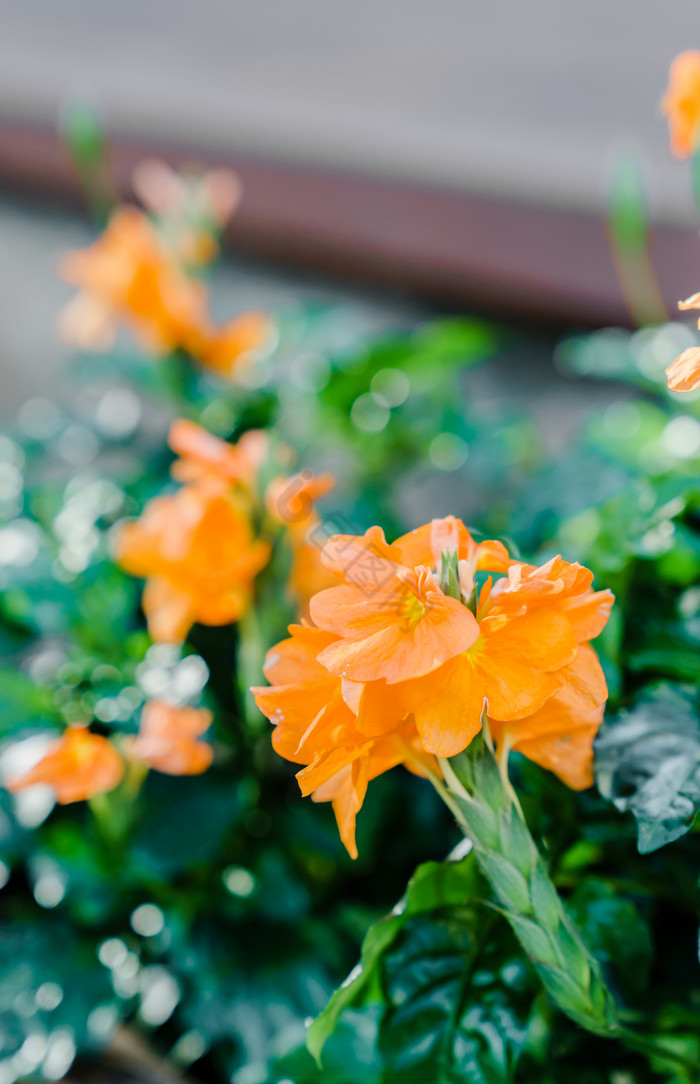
{"x":412,"y":611}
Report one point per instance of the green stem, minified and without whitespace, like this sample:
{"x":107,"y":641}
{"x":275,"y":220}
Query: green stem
{"x":251,"y":648}
{"x":486,"y":809}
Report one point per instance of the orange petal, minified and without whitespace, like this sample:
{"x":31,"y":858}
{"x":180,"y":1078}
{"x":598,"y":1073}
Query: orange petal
{"x":77,"y":766}
{"x":364,"y":560}
{"x":381,"y":708}
{"x":174,"y":756}
{"x":293,"y":661}
{"x":588,"y":613}
{"x":169,"y":611}
{"x":584,"y":686}
{"x":684,"y":373}
{"x":543,"y":639}
{"x":398,"y":651}
{"x":447,"y":706}
{"x":325,"y":766}
{"x":692,"y":302}
{"x":426,"y":544}
{"x":570,"y":756}
{"x":512,"y":689}
{"x":346,"y":790}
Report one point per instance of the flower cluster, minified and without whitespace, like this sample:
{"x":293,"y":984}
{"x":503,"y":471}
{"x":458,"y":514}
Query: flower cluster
{"x":142,"y":271}
{"x":201,"y":547}
{"x":200,"y":551}
{"x":424,"y":638}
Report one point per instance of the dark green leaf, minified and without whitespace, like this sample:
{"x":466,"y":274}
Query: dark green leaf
{"x":458,"y":1009}
{"x":614,"y":930}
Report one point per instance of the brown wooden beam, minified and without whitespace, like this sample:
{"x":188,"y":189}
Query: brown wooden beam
{"x":474,"y":251}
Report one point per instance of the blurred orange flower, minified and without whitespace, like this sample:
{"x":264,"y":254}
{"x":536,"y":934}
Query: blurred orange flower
{"x":681,"y":103}
{"x":205,"y":458}
{"x":225,"y":349}
{"x":167,"y":739}
{"x":684,"y":373}
{"x":198,"y":553}
{"x":363,"y":690}
{"x":128,"y":275}
{"x":78,"y":766}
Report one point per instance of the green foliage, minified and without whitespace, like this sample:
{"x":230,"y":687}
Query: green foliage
{"x":648,"y":763}
{"x":456,"y":1001}
{"x":255,"y":911}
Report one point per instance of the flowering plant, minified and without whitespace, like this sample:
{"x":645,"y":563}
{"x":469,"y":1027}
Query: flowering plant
{"x":225,"y":483}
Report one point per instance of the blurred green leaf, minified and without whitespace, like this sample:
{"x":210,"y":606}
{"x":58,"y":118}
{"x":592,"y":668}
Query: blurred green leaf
{"x":24,"y":703}
{"x":615,"y":931}
{"x":647,"y":761}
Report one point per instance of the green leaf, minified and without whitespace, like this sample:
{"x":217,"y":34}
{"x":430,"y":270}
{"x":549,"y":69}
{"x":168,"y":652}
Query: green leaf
{"x":615,"y":931}
{"x":433,"y":885}
{"x":456,"y":1008}
{"x":648,"y":762}
{"x":458,"y":1011}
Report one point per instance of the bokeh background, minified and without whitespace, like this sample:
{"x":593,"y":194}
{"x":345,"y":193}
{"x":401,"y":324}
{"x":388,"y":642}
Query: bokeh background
{"x":454,"y":151}
{"x":434,"y":201}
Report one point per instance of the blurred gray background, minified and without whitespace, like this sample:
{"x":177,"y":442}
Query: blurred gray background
{"x":523,"y":97}
{"x":531,"y":100}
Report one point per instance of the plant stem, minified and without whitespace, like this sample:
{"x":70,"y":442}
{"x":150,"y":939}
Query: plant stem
{"x":484,"y":804}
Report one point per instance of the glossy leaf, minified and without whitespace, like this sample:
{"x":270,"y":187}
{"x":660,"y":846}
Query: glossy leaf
{"x":648,"y":763}
{"x":456,"y":1000}
{"x":458,"y":1007}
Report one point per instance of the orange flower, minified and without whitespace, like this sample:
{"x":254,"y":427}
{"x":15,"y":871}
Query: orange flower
{"x":681,"y":103}
{"x":205,"y":458}
{"x":197,"y":552}
{"x":127,"y":275}
{"x":78,"y":766}
{"x":406,"y":627}
{"x":393,"y":620}
{"x":530,"y":630}
{"x":315,"y":725}
{"x":167,"y":739}
{"x":223,"y":349}
{"x":684,"y":373}
{"x":397,"y":671}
